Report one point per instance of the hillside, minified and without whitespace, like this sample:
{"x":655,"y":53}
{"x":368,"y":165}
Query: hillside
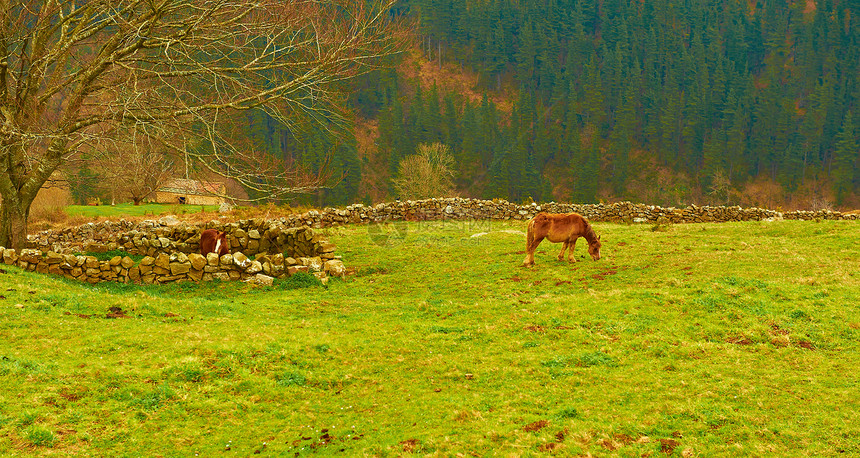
{"x":570,"y":100}
{"x":654,"y":102}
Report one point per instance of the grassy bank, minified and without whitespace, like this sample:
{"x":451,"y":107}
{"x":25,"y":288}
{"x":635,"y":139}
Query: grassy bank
{"x":695,"y":340}
{"x":128,"y":209}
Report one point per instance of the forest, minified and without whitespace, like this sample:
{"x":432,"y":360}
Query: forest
{"x":663,"y":102}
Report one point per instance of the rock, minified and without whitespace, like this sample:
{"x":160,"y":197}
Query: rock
{"x":263,"y":280}
{"x":127,"y":262}
{"x":179,"y":268}
{"x":277,"y":271}
{"x":10,"y":256}
{"x":313,"y":264}
{"x":54,"y":258}
{"x":169,"y":220}
{"x":225,"y":207}
{"x":195,"y":275}
{"x":292,"y":270}
{"x":335,"y":268}
{"x":198,"y":262}
{"x":134,"y":274}
{"x":162,"y":260}
{"x":242,"y":261}
{"x":254,"y":268}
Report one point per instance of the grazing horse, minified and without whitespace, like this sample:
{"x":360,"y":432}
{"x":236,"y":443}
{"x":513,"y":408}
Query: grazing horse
{"x":212,"y":241}
{"x":560,"y":228}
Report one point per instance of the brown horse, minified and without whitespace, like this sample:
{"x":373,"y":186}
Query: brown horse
{"x":560,"y":228}
{"x":212,"y":241}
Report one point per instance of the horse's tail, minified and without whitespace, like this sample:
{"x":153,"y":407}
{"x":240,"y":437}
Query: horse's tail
{"x":530,"y":234}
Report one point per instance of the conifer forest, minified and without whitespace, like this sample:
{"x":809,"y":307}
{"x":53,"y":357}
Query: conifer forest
{"x":663,"y":102}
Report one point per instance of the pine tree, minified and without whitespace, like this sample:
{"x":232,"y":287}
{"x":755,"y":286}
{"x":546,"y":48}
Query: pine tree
{"x":846,"y":157}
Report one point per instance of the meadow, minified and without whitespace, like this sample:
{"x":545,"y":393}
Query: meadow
{"x":128,"y":209}
{"x":732,"y":339}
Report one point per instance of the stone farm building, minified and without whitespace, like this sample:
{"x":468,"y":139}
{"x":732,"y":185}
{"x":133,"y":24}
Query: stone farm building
{"x":192,"y":192}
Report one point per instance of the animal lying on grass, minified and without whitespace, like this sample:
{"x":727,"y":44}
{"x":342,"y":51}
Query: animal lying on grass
{"x":212,"y":241}
{"x":558,"y":228}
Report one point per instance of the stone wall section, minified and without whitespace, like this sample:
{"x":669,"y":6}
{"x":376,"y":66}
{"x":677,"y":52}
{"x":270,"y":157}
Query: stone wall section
{"x":171,"y":251}
{"x":178,"y":266}
{"x":463,"y":209}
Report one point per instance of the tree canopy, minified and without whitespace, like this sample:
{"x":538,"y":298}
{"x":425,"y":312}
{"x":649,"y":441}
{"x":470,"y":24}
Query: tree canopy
{"x":76,"y":77}
{"x":733,"y":90}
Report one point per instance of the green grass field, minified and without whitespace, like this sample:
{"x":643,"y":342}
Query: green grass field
{"x":736,"y":339}
{"x":128,"y":209}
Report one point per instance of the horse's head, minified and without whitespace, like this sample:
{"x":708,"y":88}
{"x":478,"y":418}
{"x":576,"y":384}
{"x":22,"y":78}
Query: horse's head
{"x":594,"y":248}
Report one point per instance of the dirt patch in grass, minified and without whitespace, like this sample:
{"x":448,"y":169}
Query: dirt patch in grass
{"x":410,"y":445}
{"x":536,"y":426}
{"x":668,"y":446}
{"x":550,"y":447}
{"x":806,"y":345}
{"x":116,"y":312}
{"x":604,"y":274}
{"x":742,"y":340}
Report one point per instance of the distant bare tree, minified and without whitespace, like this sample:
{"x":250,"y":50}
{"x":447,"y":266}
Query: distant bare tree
{"x":428,"y":173}
{"x":74,"y":74}
{"x":135,"y":167}
{"x":720,"y":187}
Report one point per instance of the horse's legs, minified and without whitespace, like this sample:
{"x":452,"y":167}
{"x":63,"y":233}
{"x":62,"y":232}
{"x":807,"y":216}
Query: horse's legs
{"x":570,"y":257}
{"x":563,"y":247}
{"x":531,"y":245}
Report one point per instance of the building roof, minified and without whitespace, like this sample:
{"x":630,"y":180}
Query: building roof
{"x":200,"y":188}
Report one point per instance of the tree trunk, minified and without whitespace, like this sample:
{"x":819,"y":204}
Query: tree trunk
{"x":13,"y":229}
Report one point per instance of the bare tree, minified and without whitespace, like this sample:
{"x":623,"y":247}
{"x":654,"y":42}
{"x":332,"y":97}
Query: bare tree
{"x":134,"y":166}
{"x":428,"y":173}
{"x":721,"y":187}
{"x":75,"y":73}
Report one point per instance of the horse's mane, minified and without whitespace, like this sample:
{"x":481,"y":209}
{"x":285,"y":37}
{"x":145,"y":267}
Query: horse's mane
{"x":590,"y":235}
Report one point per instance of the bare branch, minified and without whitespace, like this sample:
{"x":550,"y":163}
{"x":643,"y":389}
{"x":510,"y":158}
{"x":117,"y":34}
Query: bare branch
{"x":78,"y":76}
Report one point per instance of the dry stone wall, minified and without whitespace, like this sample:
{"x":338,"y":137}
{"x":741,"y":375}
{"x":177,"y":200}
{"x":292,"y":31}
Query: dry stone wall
{"x":171,"y":252}
{"x":460,"y":209}
{"x":178,"y":266}
{"x":288,"y":245}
